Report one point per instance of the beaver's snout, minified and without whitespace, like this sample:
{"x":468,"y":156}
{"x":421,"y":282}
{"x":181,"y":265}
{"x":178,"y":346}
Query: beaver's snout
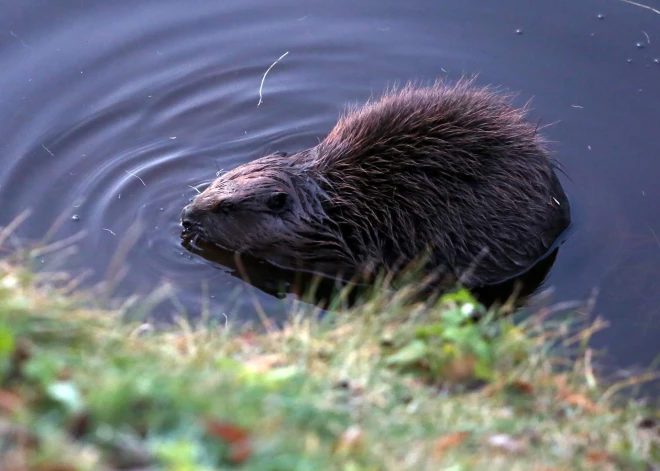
{"x":190,"y":219}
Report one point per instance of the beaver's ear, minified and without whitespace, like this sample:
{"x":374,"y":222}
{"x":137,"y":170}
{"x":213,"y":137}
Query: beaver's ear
{"x":280,"y":154}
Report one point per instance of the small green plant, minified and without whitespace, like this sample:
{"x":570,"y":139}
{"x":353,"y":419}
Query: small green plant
{"x":83,"y":389}
{"x":452,"y":343}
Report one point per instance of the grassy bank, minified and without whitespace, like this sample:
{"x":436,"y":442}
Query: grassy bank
{"x":379,"y":387}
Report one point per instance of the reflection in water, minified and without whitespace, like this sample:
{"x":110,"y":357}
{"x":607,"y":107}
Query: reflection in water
{"x":322,"y":290}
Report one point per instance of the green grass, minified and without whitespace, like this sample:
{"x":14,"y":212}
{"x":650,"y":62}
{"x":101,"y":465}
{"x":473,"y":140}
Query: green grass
{"x":386,"y":385}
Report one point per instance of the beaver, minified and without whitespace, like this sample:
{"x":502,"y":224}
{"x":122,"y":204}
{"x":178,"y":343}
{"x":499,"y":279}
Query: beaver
{"x":449,"y":174}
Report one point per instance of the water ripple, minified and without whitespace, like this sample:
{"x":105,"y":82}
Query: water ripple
{"x":112,"y":111}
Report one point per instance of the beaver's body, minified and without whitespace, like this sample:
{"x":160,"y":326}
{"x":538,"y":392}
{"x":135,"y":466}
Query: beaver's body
{"x":450,"y":173}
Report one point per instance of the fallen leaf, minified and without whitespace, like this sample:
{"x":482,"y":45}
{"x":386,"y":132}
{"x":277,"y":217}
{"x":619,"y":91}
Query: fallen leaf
{"x":599,"y":457}
{"x":581,"y":401}
{"x":238,"y":438}
{"x":521,"y":387}
{"x":459,"y":370}
{"x":263,"y":363}
{"x":247,"y":338}
{"x":227,"y":432}
{"x":181,"y":344}
{"x":10,"y":402}
{"x":351,"y":440}
{"x":448,"y":441}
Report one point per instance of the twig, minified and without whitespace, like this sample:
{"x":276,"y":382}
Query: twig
{"x":198,"y":192}
{"x":47,"y":150}
{"x":58,"y":245}
{"x":264,"y":77}
{"x":5,"y":232}
{"x":17,"y":37}
{"x":635,"y":380}
{"x":134,"y":175}
{"x":641,"y":6}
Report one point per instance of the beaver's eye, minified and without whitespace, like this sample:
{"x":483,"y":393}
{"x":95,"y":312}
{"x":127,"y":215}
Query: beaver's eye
{"x":278,"y":202}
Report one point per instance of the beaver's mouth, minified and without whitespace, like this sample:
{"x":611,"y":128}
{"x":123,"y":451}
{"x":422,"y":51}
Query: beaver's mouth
{"x":191,"y":230}
{"x":190,"y":225}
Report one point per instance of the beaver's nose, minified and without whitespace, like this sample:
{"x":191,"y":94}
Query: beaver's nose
{"x":187,"y":217}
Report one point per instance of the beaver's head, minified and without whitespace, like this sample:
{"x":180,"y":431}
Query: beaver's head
{"x":270,"y":208}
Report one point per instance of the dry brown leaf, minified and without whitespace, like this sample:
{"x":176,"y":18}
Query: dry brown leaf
{"x":581,"y":401}
{"x":459,"y":370}
{"x":448,"y":441}
{"x":247,"y":337}
{"x":237,"y":437}
{"x":351,"y":440}
{"x":181,"y":344}
{"x":10,"y":402}
{"x":226,"y":431}
{"x":263,"y":363}
{"x":599,"y":457}
{"x":522,"y":386}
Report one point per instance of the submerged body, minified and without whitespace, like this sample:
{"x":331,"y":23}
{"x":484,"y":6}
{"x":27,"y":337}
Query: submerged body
{"x":452,"y":174}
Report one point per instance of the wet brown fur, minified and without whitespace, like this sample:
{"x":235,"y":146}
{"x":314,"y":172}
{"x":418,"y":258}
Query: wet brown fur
{"x":451,"y":171}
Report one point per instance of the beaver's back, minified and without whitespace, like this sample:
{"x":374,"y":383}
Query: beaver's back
{"x":455,"y":168}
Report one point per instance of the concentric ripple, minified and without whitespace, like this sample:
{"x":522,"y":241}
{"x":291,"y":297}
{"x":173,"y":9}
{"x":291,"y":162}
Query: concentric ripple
{"x":115,"y":111}
{"x":117,"y":125}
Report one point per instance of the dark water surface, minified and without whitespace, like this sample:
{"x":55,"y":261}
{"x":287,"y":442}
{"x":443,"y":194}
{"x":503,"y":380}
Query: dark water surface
{"x":111,"y":111}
